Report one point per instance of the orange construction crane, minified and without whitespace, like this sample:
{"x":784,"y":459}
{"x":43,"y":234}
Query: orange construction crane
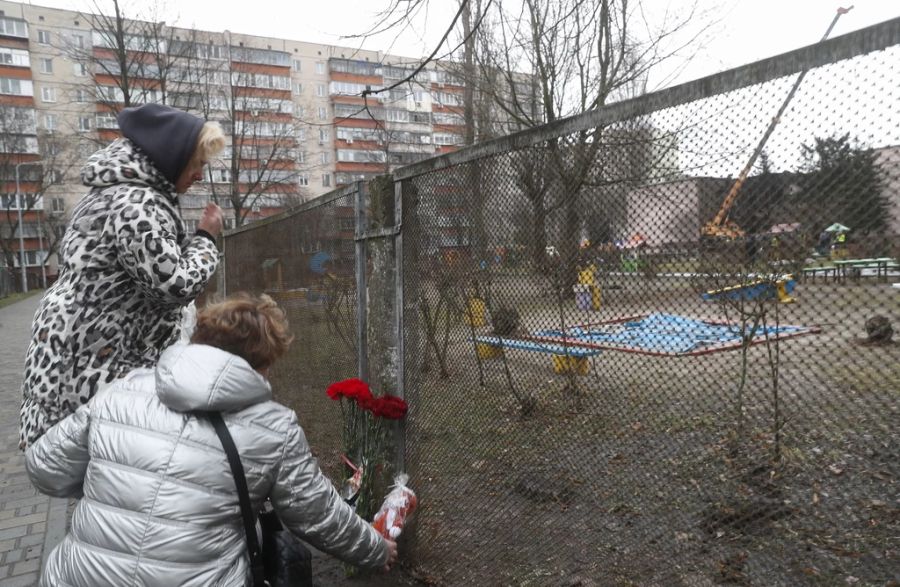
{"x":721,"y":226}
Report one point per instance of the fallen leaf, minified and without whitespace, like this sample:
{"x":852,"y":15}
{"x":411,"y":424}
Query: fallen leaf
{"x":835,"y":469}
{"x":815,"y":499}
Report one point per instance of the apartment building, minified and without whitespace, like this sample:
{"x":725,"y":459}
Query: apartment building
{"x":297,"y":115}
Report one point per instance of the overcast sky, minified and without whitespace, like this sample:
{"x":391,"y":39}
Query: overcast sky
{"x":743,"y":30}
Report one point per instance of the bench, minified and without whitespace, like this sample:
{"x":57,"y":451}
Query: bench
{"x":813,"y":271}
{"x":565,"y":358}
{"x":854,"y":268}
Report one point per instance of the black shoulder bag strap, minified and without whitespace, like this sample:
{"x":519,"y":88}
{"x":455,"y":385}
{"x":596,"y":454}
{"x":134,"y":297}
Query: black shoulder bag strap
{"x":237,"y":471}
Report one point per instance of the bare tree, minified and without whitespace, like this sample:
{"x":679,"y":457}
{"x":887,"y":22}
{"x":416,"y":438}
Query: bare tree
{"x":19,"y":147}
{"x":262,"y":169}
{"x":542,"y":60}
{"x":130,"y":57}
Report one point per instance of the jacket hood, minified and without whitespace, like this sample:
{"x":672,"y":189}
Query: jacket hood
{"x":205,"y":378}
{"x":122,"y":162}
{"x":167,"y":135}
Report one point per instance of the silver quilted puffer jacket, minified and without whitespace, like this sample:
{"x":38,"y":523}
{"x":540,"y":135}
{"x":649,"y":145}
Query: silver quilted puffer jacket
{"x":158,"y":502}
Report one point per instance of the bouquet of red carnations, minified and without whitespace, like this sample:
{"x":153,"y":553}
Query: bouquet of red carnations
{"x":366,"y":436}
{"x":398,"y":505}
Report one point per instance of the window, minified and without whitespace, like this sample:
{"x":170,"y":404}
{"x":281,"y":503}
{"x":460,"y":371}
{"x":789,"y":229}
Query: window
{"x":448,"y":118}
{"x":78,"y":41}
{"x":326,"y":180}
{"x":298,"y":88}
{"x":80,"y":69}
{"x":323,"y":113}
{"x":14,"y":57}
{"x":350,"y":134}
{"x":360,"y":156}
{"x":320,"y":67}
{"x":57,"y":205}
{"x":447,"y":139}
{"x":46,"y":65}
{"x":9,"y":202}
{"x":50,"y":122}
{"x":17,"y":87}
{"x":320,"y":90}
{"x":81,"y":96}
{"x":356,"y":67}
{"x":301,"y":156}
{"x":303,"y":179}
{"x":13,"y":27}
{"x":111,"y":94}
{"x":324,"y":157}
{"x":297,"y":65}
{"x":107,"y":120}
{"x":48,"y":94}
{"x":220,"y":175}
{"x":44,"y":37}
{"x":351,"y":89}
{"x":398,"y":115}
{"x":210,"y":51}
{"x":84,"y":123}
{"x":31,"y":257}
{"x":54,"y":176}
{"x":324,"y":135}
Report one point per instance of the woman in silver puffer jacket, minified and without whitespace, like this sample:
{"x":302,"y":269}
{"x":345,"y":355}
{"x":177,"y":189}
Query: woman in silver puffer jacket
{"x":158,"y":502}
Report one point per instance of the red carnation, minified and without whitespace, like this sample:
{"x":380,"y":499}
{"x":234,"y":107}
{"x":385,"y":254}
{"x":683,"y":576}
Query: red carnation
{"x":392,"y":407}
{"x":354,"y":388}
{"x":370,"y":403}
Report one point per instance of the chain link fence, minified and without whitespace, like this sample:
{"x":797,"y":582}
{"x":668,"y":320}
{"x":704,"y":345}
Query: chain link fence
{"x":626,"y":363}
{"x":305,"y":261}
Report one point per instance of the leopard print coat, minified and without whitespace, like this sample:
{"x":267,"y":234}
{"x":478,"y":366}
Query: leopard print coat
{"x":126,"y":271}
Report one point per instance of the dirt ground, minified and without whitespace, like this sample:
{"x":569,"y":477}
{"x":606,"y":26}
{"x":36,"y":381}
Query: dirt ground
{"x":329,"y":571}
{"x":641,"y":472}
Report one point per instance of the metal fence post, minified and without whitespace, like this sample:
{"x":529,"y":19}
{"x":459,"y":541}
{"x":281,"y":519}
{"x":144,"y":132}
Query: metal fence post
{"x":362,"y":297}
{"x":400,"y":462}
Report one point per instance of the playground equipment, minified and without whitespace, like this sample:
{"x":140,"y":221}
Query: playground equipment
{"x":766,"y":289}
{"x":721,"y":226}
{"x":475,"y":312}
{"x":587,"y":290}
{"x":564,"y":358}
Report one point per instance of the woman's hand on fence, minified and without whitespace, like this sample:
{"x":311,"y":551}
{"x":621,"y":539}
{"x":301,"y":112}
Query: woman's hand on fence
{"x":212,"y":220}
{"x":392,"y":554}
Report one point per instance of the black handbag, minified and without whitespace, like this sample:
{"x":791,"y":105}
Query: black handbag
{"x":283,"y":560}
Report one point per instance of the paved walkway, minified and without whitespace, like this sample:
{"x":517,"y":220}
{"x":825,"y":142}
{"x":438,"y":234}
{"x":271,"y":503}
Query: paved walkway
{"x":31,"y":524}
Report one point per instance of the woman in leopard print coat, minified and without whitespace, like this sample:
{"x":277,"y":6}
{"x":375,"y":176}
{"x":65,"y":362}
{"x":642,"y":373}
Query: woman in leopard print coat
{"x":127,"y":268}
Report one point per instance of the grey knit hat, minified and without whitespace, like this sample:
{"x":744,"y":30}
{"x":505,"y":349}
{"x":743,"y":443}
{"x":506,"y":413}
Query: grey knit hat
{"x":167,"y":136}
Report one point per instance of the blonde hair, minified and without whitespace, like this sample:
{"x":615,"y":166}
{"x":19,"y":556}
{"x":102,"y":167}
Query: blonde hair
{"x":252,"y":327}
{"x":210,"y":142}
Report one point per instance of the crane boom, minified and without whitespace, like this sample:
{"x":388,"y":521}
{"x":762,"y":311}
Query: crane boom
{"x":721,"y":226}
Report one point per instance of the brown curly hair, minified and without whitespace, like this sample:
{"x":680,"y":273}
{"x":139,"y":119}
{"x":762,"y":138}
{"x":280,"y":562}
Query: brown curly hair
{"x":251,"y":327}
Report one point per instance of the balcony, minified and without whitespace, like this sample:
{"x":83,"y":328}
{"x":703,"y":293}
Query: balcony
{"x":13,"y":27}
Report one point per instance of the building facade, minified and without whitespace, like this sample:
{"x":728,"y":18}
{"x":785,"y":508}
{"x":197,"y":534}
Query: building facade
{"x":302,"y":118}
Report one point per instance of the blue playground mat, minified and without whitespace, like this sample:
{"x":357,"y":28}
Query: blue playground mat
{"x":666,"y":334}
